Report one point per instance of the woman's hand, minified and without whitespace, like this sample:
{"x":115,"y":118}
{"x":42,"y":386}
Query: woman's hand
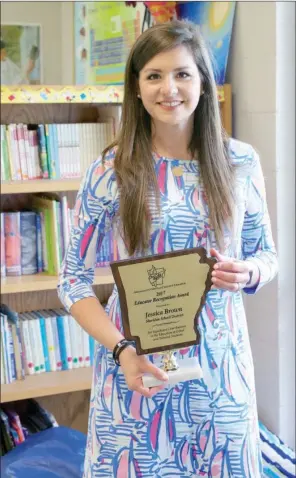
{"x":134,"y":367}
{"x":231,"y":274}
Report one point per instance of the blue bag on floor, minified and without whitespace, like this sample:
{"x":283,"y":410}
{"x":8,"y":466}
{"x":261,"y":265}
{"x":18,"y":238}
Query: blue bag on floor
{"x":53,"y":453}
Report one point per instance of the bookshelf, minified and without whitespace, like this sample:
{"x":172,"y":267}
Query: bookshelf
{"x":66,"y":394}
{"x":43,"y":281}
{"x":47,"y":384}
{"x":39,"y":186}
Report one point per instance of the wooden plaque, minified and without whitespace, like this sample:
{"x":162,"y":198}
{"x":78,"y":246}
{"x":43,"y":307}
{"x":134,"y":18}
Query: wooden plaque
{"x":161,"y":298}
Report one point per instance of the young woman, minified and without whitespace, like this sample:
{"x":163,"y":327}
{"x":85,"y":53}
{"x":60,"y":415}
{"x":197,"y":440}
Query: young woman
{"x":173,"y":181}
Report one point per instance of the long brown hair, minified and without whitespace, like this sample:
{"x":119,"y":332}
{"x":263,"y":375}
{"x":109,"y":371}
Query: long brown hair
{"x":134,"y":167}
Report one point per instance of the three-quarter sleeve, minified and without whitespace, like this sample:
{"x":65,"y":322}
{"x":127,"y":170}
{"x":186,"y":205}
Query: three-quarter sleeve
{"x":257,"y":241}
{"x":93,"y":214}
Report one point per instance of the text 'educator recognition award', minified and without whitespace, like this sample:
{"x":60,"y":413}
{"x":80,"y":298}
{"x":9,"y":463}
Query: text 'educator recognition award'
{"x":161,"y":298}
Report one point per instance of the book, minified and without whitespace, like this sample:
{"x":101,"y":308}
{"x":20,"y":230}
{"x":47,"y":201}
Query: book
{"x":4,"y":350}
{"x":8,"y":443}
{"x":3,"y":260}
{"x":46,"y":205}
{"x":26,"y":343}
{"x":22,"y":152}
{"x":5,"y":164}
{"x":13,"y":320}
{"x":36,"y":339}
{"x":28,"y":232}
{"x":15,"y":423}
{"x":14,"y":153}
{"x":10,"y":347}
{"x":43,"y":151}
{"x":64,"y":330}
{"x":45,"y":348}
{"x":39,"y":243}
{"x":12,"y":243}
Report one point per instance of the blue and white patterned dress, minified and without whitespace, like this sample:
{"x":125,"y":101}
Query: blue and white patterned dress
{"x":201,"y":428}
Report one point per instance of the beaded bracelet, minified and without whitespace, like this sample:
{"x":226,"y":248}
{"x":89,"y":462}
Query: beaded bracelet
{"x":119,"y":347}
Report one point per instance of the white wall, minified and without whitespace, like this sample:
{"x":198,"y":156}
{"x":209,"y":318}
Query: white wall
{"x":48,"y":15}
{"x":285,"y":160}
{"x":258,"y":73}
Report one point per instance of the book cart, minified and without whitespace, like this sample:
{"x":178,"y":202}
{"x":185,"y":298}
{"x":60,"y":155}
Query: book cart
{"x":63,"y":393}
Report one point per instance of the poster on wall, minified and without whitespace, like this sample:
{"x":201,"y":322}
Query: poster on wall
{"x":20,"y":54}
{"x":105,"y":32}
{"x":216,"y":22}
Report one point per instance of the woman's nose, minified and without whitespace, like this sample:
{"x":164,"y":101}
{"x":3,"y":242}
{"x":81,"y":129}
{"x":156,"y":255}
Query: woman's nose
{"x":169,"y":87}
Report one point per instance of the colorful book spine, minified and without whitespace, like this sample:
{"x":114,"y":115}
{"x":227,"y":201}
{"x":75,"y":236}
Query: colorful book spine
{"x":25,"y":333}
{"x":14,"y":153}
{"x":22,"y":151}
{"x":37,"y":342}
{"x":4,"y":353}
{"x":59,"y":232}
{"x":41,"y":320}
{"x":28,"y":232}
{"x":29,"y":159}
{"x":2,"y":374}
{"x":5,"y":431}
{"x":5,"y":165}
{"x":65,"y":223}
{"x":15,"y":423}
{"x":67,"y":333}
{"x":56,"y":149}
{"x":58,"y":356}
{"x":51,"y":149}
{"x":12,"y":243}
{"x":44,"y":242}
{"x":62,"y":341}
{"x":34,"y":150}
{"x":50,"y":344}
{"x":33,"y":343}
{"x":13,"y":322}
{"x":43,"y":151}
{"x":18,"y":352}
{"x":44,"y":344}
{"x":3,"y":260}
{"x":39,"y":243}
{"x":68,"y":341}
{"x":11,"y":353}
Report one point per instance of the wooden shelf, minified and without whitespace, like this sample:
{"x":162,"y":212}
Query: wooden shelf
{"x":39,"y":186}
{"x":48,"y":383}
{"x":38,"y":282}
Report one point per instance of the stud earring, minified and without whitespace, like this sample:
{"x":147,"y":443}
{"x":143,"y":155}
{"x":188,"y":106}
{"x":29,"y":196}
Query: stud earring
{"x":139,"y":96}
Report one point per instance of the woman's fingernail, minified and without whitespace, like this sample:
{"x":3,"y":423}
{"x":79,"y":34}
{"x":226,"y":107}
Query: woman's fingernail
{"x":214,"y":274}
{"x":216,"y":266}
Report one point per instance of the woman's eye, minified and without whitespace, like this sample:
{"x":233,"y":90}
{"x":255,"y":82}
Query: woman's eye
{"x":183,"y":74}
{"x":153,"y":76}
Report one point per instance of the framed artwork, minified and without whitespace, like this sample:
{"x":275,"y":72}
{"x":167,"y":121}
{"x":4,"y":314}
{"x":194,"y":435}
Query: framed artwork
{"x":21,"y":54}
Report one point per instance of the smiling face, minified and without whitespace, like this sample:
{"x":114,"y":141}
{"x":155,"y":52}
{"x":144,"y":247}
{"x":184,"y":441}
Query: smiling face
{"x":170,"y":87}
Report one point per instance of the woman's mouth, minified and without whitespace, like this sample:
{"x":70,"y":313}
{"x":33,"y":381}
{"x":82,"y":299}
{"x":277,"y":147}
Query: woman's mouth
{"x":170,"y":105}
